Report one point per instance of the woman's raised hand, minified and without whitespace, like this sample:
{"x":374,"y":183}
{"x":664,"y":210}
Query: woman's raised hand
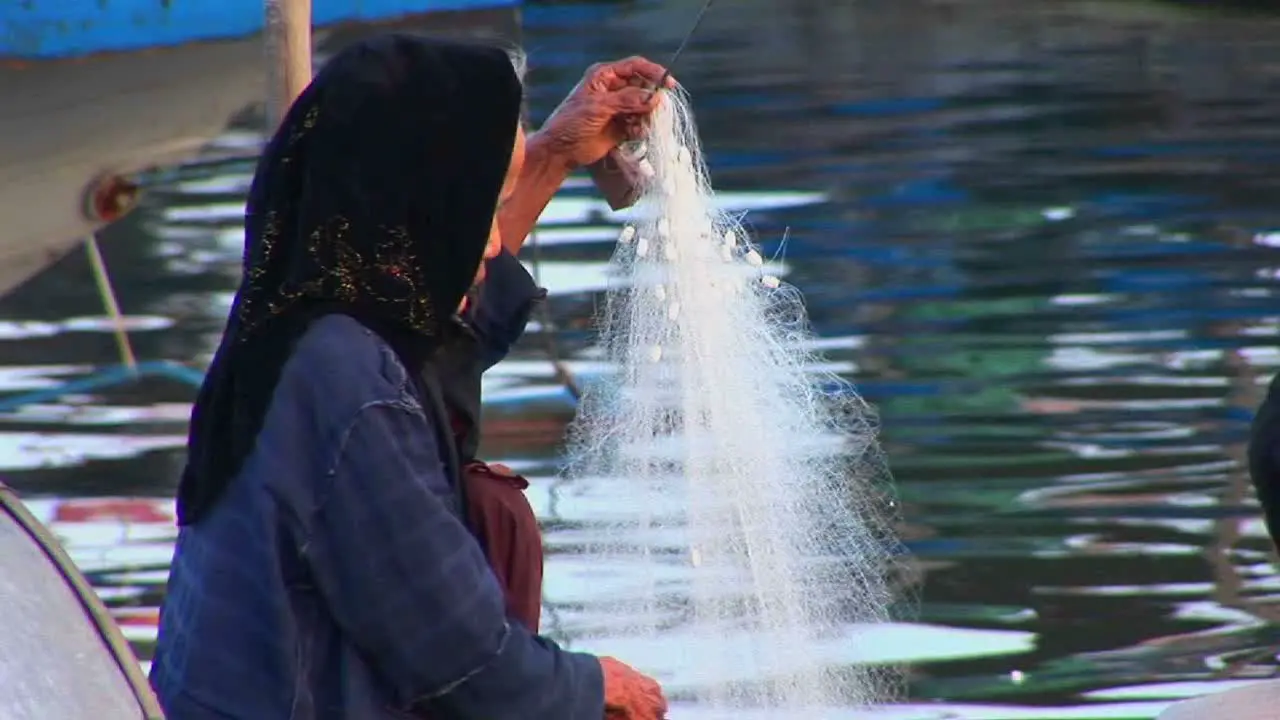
{"x":608,"y":107}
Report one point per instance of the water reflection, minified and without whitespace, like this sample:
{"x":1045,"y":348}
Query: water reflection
{"x":1040,"y":235}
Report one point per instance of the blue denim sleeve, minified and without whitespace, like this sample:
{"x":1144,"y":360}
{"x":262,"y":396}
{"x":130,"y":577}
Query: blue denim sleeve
{"x":413,"y":590}
{"x":506,"y":302}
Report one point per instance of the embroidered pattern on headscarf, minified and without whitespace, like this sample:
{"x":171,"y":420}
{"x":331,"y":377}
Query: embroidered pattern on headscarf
{"x":344,"y":275}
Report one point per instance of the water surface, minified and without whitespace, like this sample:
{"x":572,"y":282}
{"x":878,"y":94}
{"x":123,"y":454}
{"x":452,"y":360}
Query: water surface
{"x":1040,"y":236}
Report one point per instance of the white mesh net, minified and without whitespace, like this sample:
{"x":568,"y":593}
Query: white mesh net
{"x":748,"y":490}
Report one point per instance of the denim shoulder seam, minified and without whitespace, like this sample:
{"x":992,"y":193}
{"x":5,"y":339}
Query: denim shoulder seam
{"x":405,"y":403}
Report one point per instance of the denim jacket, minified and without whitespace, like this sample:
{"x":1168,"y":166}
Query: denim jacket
{"x":334,"y":580}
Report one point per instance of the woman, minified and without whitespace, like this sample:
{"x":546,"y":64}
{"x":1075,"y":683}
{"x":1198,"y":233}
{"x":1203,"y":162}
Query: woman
{"x":323,"y":569}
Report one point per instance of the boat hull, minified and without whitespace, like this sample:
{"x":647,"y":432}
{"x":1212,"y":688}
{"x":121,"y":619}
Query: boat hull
{"x":63,"y":657}
{"x":89,"y":116}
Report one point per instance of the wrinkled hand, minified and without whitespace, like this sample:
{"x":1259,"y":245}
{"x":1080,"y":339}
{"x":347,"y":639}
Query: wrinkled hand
{"x":609,"y":106}
{"x":629,"y":694}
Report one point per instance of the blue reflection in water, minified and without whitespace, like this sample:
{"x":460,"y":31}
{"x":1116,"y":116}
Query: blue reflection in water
{"x":1039,"y":245}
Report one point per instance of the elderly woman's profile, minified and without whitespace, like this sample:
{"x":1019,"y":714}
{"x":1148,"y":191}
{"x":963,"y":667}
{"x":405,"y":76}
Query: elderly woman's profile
{"x":328,"y":564}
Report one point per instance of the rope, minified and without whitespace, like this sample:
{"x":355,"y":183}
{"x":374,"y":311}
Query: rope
{"x":108,"y":295}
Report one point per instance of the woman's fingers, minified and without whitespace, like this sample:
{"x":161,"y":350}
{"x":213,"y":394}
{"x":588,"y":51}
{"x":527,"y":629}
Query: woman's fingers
{"x":633,"y":71}
{"x":634,"y":101}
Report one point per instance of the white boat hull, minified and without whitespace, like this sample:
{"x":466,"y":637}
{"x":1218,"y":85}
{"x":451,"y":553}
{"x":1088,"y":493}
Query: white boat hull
{"x":84,"y":118}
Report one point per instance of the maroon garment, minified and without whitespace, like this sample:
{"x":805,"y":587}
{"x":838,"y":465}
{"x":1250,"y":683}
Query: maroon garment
{"x":497,"y":511}
{"x":503,"y":521}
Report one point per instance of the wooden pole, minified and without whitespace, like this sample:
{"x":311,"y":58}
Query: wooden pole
{"x":287,"y":33}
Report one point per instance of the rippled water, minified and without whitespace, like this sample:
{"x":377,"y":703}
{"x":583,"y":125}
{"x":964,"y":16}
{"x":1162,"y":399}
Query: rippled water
{"x":1039,"y":235}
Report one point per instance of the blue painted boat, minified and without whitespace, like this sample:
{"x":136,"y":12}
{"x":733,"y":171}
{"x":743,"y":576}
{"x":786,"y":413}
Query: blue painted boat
{"x":60,"y":29}
{"x":98,"y":91}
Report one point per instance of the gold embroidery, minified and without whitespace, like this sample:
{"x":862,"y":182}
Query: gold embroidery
{"x":308,"y":122}
{"x":339,"y":271}
{"x":342,"y":273}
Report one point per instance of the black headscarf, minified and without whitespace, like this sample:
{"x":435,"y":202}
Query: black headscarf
{"x":374,"y":199}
